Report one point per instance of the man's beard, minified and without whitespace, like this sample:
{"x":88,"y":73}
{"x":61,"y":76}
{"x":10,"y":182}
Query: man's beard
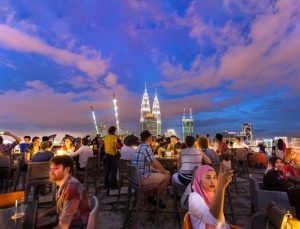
{"x":54,"y":178}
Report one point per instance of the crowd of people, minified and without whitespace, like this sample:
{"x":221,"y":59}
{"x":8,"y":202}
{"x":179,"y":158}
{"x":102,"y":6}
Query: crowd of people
{"x":196,"y":158}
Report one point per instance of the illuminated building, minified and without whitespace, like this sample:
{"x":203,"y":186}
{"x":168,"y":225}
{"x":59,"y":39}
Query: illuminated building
{"x":150,"y":120}
{"x":247,"y":131}
{"x":295,"y":142}
{"x":187,"y":124}
{"x":170,"y":132}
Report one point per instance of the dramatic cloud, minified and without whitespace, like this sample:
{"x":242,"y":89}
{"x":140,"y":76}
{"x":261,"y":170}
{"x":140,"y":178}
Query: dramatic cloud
{"x":230,"y":61}
{"x":93,"y":66}
{"x":268,"y":53}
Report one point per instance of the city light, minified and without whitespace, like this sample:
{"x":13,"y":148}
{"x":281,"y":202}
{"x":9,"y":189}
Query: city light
{"x":94,"y":118}
{"x":116,"y":113}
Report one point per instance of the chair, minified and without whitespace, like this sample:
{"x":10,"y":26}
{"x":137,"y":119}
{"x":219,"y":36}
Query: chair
{"x":187,"y":224}
{"x":19,"y":173}
{"x":5,"y":170}
{"x":265,"y":196}
{"x":260,"y":197}
{"x":90,"y":172}
{"x":30,"y":218}
{"x":37,"y":175}
{"x":134,"y":181}
{"x":123,"y":173}
{"x":275,"y":217}
{"x":8,"y":199}
{"x":93,"y":222}
{"x":241,"y":158}
{"x":253,"y":185}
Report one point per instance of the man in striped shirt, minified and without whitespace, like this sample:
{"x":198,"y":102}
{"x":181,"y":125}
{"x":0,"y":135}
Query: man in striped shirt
{"x":144,"y":159}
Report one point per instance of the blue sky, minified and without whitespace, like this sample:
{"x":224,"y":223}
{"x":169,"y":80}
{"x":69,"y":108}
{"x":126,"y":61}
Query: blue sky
{"x":231,"y":61}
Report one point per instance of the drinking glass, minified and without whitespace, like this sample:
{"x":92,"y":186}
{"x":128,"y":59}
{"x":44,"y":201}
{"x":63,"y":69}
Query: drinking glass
{"x":19,"y":209}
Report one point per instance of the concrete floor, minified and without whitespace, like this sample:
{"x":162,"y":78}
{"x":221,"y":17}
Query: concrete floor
{"x":112,"y":216}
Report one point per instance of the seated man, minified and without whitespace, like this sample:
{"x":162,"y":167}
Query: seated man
{"x":5,"y":149}
{"x":239,"y":144}
{"x":174,"y":144}
{"x":220,"y":147}
{"x":72,"y":206}
{"x":45,"y":154}
{"x":144,"y":159}
{"x":128,"y":150}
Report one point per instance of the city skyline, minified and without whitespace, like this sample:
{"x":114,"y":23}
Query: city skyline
{"x":232,"y":62}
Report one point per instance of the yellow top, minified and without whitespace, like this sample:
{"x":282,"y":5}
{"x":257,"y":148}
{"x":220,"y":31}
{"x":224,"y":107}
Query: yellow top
{"x":110,"y":144}
{"x":35,"y":150}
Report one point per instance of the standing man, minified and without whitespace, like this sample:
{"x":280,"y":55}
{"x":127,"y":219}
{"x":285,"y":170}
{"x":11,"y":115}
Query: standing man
{"x":24,"y":146}
{"x":5,"y":149}
{"x":32,"y":149}
{"x":72,"y":207}
{"x":111,"y":159}
{"x":145,"y":160}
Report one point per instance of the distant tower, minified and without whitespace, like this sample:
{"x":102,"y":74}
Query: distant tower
{"x":150,"y":121}
{"x":156,"y":113}
{"x":247,"y":131}
{"x":145,"y":107}
{"x":187,"y":124}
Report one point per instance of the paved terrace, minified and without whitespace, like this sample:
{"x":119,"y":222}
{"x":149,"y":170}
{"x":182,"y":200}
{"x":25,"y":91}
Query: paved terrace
{"x":112,"y":216}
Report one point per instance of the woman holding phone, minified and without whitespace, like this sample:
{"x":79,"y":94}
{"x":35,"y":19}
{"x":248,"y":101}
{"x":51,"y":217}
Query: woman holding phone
{"x":206,"y":202}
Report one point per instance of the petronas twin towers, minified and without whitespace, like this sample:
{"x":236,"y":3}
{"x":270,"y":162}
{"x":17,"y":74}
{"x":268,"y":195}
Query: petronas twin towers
{"x":150,"y":120}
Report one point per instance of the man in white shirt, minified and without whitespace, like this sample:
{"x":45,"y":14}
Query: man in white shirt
{"x":129,"y":148}
{"x":82,"y":154}
{"x":239,"y":144}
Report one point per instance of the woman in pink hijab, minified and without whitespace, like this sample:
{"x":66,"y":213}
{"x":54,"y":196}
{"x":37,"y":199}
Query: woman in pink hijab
{"x":206,"y":202}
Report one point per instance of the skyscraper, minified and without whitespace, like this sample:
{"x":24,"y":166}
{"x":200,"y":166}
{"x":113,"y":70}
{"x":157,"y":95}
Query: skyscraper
{"x":247,"y":131}
{"x":150,"y":120}
{"x":156,"y":113}
{"x":187,"y":124}
{"x":145,"y":107}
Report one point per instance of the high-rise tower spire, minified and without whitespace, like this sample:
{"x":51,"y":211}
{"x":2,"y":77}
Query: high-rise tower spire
{"x":187,"y":124}
{"x":156,"y":112}
{"x":145,"y":107}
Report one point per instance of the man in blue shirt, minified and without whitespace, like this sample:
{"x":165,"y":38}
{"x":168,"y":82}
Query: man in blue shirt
{"x":144,"y":159}
{"x":25,"y":144}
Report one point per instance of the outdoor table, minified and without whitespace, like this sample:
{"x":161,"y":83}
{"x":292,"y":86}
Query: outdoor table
{"x":170,"y":163}
{"x":27,"y":221}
